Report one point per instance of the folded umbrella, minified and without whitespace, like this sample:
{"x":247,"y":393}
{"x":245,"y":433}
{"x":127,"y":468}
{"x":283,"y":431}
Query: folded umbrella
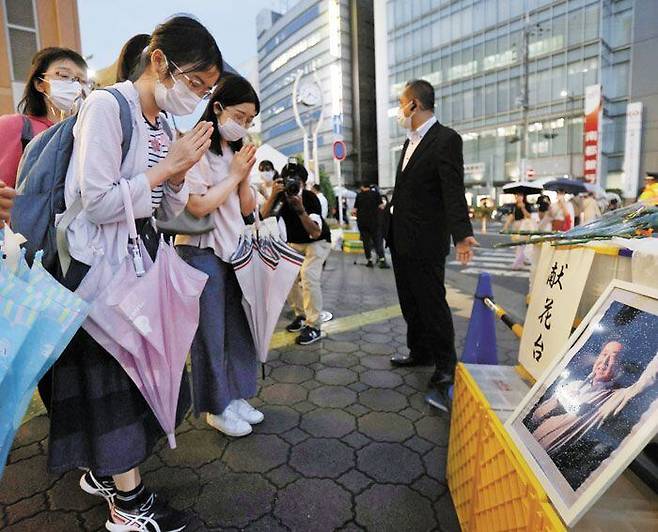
{"x":243,"y":268}
{"x":265,"y":268}
{"x":168,"y":323}
{"x":18,"y":312}
{"x":133,"y":308}
{"x":51,"y":332}
{"x":290,"y":262}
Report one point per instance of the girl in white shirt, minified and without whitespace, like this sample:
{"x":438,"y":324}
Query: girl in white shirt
{"x":98,"y":418}
{"x":224,"y":358}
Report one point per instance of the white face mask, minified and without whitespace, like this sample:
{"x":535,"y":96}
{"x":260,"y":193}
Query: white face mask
{"x":404,"y":121}
{"x":179,"y":100}
{"x":230,"y":130}
{"x":64,"y":94}
{"x":267,"y":176}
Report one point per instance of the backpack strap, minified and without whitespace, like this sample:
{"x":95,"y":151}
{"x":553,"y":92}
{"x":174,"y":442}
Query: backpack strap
{"x":125,"y":117}
{"x":126,"y":120}
{"x":166,"y":127}
{"x":27,"y":133}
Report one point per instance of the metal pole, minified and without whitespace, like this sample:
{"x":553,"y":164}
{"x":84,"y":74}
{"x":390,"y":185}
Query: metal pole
{"x":306,"y":152}
{"x":298,"y":118}
{"x":339,"y":179}
{"x":524,"y":98}
{"x":316,"y":162}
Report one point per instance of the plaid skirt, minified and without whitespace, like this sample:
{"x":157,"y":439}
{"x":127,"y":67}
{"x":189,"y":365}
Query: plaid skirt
{"x":98,"y":417}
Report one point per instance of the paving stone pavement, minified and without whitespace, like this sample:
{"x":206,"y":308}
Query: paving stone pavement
{"x":347,"y":442}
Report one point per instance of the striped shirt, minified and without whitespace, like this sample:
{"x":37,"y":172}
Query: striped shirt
{"x":158,"y":149}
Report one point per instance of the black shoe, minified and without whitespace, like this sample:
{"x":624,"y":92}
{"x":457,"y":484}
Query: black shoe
{"x":369,"y":264}
{"x":297,"y":325}
{"x":404,"y":361}
{"x":383,"y":264}
{"x":99,"y":488}
{"x":439,"y":397}
{"x":309,"y":335}
{"x":154,"y":515}
{"x":440,"y":378}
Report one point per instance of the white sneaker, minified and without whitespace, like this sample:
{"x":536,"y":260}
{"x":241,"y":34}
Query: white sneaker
{"x":246,"y":412}
{"x":229,"y":423}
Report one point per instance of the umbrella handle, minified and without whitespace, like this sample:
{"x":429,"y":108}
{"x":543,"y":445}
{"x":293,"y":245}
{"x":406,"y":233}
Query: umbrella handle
{"x":135,"y":251}
{"x":128,"y":207}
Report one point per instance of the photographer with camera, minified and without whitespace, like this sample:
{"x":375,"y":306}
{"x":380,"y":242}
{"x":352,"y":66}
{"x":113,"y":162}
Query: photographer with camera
{"x":308,"y":233}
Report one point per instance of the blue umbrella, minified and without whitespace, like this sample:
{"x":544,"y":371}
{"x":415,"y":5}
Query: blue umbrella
{"x":571,"y":186}
{"x":55,"y":314}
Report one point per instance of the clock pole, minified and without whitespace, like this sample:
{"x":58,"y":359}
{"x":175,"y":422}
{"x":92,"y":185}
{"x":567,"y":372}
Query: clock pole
{"x":298,"y":118}
{"x":316,"y":162}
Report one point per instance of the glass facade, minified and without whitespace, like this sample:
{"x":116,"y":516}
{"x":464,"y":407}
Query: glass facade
{"x":472,"y":53}
{"x":299,"y":42}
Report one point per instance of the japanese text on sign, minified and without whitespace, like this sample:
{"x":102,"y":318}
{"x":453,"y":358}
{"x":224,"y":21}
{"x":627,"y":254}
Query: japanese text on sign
{"x":554,"y":281}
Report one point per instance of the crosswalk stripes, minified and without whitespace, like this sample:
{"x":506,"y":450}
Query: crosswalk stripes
{"x":497,"y":262}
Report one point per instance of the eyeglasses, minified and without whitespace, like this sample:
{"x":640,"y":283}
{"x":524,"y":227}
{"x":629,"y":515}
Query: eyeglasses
{"x":240,"y":117}
{"x":195,"y":84}
{"x":64,"y":74}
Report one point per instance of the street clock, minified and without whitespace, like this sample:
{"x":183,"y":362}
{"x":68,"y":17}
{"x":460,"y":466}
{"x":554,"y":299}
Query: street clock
{"x":310,"y":93}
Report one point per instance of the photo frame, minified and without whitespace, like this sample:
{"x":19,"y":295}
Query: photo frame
{"x":596,"y":407}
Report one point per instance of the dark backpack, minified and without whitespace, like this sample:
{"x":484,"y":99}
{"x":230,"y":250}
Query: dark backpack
{"x":40,"y":183}
{"x":27,"y":133}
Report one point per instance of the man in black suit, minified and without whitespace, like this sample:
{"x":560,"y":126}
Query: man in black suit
{"x":428,"y":207}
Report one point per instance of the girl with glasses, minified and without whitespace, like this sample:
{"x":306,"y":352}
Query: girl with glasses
{"x":53,"y":91}
{"x":98,"y":418}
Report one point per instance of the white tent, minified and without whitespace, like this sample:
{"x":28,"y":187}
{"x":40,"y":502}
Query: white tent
{"x":267,"y":153}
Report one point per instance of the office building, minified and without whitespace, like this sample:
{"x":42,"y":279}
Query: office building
{"x":25,"y":27}
{"x":481,"y":54}
{"x":329,"y":44}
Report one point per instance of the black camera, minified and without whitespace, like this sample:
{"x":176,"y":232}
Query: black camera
{"x":294,"y":177}
{"x":292,"y":184}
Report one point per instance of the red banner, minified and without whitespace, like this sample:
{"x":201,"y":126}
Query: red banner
{"x":592,"y":132}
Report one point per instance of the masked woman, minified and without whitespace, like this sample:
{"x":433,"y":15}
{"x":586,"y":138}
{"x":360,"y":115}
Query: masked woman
{"x":224,"y":360}
{"x":53,"y":91}
{"x":98,"y":418}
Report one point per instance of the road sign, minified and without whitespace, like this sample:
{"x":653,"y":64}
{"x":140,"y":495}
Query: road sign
{"x":340,"y":150}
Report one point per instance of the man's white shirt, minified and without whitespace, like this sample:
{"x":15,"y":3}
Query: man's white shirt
{"x":415,"y":137}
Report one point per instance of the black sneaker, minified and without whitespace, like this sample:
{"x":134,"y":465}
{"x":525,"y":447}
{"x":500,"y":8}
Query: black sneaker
{"x":369,"y":264}
{"x":383,"y":264}
{"x":309,"y":335}
{"x":154,"y":515}
{"x":297,"y":325}
{"x":100,"y":488}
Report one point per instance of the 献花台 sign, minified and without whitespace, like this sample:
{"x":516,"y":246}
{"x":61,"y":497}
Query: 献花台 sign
{"x":592,"y":133}
{"x":556,"y":291}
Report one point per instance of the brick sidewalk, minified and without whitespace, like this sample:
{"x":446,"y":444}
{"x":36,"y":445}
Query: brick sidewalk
{"x":347,"y":442}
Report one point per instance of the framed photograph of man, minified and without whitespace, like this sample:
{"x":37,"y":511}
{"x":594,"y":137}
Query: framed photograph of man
{"x":596,"y":407}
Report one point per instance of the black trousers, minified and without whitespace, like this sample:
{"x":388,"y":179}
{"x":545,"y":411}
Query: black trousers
{"x":372,"y":238}
{"x":422,"y":295}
